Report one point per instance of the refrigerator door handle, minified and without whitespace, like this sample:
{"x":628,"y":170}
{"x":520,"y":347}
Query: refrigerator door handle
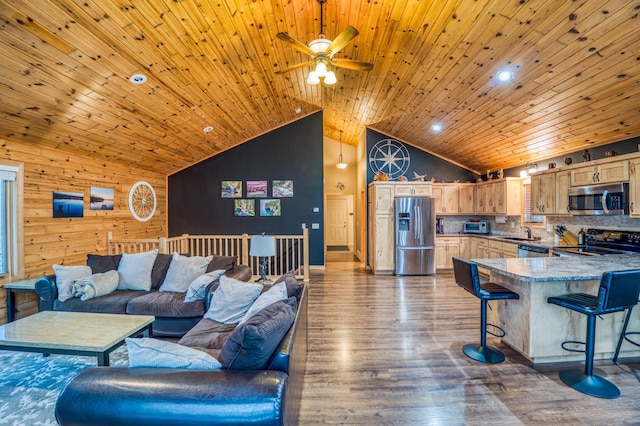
{"x":417,"y":230}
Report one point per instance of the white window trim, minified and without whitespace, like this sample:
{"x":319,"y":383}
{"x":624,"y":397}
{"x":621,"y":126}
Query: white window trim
{"x":15,"y":253}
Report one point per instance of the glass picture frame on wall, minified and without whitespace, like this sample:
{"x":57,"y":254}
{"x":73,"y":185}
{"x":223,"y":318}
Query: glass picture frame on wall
{"x":231,"y":189}
{"x":270,"y":207}
{"x":282,"y":189}
{"x":244,"y":208}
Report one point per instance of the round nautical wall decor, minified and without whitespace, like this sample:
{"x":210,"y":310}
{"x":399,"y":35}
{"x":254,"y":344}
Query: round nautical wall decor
{"x":390,"y":157}
{"x":142,"y":201}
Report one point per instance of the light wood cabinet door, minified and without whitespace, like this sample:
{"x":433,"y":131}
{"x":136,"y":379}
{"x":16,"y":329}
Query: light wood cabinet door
{"x":413,"y":190}
{"x":498,"y":197}
{"x":482,"y":198}
{"x":446,"y":198}
{"x":634,"y":188}
{"x":543,"y":194}
{"x":467,"y":199}
{"x":383,"y":199}
{"x":383,"y":253}
{"x":584,"y":176}
{"x":563,"y":182}
{"x":422,"y":190}
{"x":615,"y":171}
{"x":403,"y":191}
{"x":446,"y":248}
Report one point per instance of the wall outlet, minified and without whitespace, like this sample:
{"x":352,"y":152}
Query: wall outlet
{"x":315,"y":226}
{"x":304,"y":225}
{"x":513,"y":225}
{"x":316,"y":209}
{"x":549,"y":227}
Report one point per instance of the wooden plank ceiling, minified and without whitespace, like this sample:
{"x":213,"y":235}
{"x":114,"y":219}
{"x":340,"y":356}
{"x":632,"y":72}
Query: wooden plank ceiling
{"x":64,"y":75}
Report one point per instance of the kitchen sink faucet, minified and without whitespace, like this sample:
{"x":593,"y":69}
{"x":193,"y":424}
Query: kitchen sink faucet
{"x":528,"y":231}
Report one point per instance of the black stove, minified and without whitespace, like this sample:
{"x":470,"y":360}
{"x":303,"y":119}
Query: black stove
{"x":603,"y":241}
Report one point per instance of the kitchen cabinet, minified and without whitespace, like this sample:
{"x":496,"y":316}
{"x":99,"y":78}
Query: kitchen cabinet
{"x":416,"y":189}
{"x":499,"y":197}
{"x":479,"y":248}
{"x":500,"y":249}
{"x":467,"y":198}
{"x":446,"y":247}
{"x":563,"y":182}
{"x":465,"y":247}
{"x":381,"y":228}
{"x":634,"y":188}
{"x":446,"y":198}
{"x":607,"y":172}
{"x":543,"y":193}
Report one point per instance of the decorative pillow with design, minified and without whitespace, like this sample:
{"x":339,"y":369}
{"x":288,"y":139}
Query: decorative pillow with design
{"x":135,"y":270}
{"x":182,"y":271}
{"x":275,"y":293}
{"x":198,"y":287}
{"x":65,"y":277}
{"x":232,"y":300}
{"x":148,"y":352}
{"x":251,"y":345}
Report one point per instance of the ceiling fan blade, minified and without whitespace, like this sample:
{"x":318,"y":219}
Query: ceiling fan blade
{"x":352,"y":64}
{"x":342,"y":40}
{"x":294,"y":67}
{"x":295,"y":43}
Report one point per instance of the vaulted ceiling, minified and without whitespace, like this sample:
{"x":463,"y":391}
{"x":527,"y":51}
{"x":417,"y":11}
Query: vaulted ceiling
{"x":66,"y":64}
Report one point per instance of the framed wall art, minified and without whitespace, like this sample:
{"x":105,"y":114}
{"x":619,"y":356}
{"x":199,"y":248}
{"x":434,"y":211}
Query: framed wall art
{"x":244,"y":207}
{"x":270,"y":207}
{"x":282,"y":189}
{"x":231,"y":189}
{"x":256,"y":188}
{"x":101,"y":198}
{"x":68,"y":204}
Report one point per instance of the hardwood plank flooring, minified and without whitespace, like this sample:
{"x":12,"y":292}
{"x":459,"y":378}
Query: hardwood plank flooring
{"x":388,"y":350}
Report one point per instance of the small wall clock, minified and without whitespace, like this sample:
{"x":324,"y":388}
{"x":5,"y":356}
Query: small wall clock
{"x":142,"y":201}
{"x":390,"y":157}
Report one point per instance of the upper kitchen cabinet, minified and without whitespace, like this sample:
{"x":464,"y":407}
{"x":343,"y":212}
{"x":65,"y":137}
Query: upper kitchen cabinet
{"x":634,"y":188}
{"x":454,"y":198}
{"x":416,"y":189}
{"x":602,"y":172}
{"x":543,"y":193}
{"x":563,"y":182}
{"x":499,"y":197}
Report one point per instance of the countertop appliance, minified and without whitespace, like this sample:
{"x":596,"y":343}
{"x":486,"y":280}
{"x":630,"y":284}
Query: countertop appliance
{"x":526,"y":250}
{"x":603,"y":241}
{"x":607,"y":199}
{"x":415,"y":231}
{"x":479,"y":227}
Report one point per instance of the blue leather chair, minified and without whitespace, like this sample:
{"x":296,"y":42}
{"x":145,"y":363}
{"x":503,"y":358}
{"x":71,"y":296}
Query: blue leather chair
{"x":618,"y":291}
{"x":467,"y":277}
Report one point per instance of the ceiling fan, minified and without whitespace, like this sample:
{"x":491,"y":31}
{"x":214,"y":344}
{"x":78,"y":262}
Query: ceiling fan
{"x":321,"y":51}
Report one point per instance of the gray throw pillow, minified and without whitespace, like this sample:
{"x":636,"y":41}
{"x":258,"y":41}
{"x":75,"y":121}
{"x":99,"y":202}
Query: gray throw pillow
{"x":183,"y":270}
{"x":293,"y":286}
{"x":275,"y":293}
{"x":135,"y":270}
{"x":221,"y":262}
{"x":198,"y":287}
{"x":149,"y":352}
{"x":66,"y":276}
{"x":232,"y":300}
{"x":251,"y":345}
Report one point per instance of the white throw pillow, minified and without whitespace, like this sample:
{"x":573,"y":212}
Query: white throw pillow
{"x":65,"y":276}
{"x":135,"y":270}
{"x":232,"y":300}
{"x":183,"y":270}
{"x":275,"y":293}
{"x":198,"y":287}
{"x":148,"y":352}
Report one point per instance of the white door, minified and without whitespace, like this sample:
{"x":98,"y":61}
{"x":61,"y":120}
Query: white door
{"x":337,"y":215}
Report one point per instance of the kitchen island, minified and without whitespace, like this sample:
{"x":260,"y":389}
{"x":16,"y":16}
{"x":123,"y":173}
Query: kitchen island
{"x":535,"y":328}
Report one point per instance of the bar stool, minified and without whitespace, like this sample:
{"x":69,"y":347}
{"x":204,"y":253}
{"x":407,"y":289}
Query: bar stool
{"x":619,"y":290}
{"x":624,"y":336}
{"x":467,"y":277}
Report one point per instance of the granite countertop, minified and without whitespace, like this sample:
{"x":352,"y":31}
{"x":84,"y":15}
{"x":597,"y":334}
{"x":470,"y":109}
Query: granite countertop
{"x":578,"y":268}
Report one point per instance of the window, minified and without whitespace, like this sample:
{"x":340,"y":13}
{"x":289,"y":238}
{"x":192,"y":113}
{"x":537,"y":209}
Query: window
{"x":11,"y":252}
{"x":528,"y":218}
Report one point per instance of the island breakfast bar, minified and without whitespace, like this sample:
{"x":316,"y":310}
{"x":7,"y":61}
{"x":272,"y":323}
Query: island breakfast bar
{"x":535,"y":328}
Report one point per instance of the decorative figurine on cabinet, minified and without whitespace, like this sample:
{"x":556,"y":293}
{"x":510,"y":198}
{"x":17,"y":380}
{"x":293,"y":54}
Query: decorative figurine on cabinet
{"x":586,"y":155}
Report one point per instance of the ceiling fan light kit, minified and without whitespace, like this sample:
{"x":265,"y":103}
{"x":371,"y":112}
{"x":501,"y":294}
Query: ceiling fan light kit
{"x":321,"y":51}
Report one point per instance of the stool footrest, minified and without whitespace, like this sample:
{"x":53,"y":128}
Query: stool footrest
{"x":500,"y":331}
{"x":572,"y":342}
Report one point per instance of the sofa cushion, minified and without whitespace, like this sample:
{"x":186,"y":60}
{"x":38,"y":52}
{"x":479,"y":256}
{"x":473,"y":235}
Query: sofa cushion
{"x":221,"y":262}
{"x":183,"y":270}
{"x":114,"y":303}
{"x":293,"y":286}
{"x":135,"y":270}
{"x":148,"y":352}
{"x":65,"y":276}
{"x":251,"y":345}
{"x":198,"y":288}
{"x":232,"y":300}
{"x":103,"y":263}
{"x":275,"y":293}
{"x":165,"y":304}
{"x":159,"y":271}
{"x":207,"y":334}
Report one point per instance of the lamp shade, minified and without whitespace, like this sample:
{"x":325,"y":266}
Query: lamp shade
{"x":262,"y":246}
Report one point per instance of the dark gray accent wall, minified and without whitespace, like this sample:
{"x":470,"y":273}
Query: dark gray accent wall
{"x":293,"y":152}
{"x":422,"y":163}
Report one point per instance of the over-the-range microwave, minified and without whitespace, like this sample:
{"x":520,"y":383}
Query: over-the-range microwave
{"x":605,"y":199}
{"x":480,"y":227}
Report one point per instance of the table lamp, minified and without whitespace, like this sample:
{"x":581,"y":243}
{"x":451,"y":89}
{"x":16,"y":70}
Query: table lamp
{"x":262,"y":246}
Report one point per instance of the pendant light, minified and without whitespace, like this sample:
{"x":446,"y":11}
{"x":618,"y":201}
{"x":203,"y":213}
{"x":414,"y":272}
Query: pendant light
{"x":341,"y":164}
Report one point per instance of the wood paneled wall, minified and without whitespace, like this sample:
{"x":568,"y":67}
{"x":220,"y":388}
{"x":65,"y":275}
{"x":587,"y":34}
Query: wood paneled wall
{"x":68,"y":240}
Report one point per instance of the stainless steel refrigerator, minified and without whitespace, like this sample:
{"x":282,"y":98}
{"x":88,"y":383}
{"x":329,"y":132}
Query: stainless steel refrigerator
{"x":415,"y":229}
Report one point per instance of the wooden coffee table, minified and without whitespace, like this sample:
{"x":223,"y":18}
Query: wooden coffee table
{"x":73,"y":333}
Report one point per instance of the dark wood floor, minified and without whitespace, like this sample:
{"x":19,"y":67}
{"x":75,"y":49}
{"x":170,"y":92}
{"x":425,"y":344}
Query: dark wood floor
{"x":387,"y":350}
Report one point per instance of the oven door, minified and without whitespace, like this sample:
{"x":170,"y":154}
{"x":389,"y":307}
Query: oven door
{"x":609,"y":199}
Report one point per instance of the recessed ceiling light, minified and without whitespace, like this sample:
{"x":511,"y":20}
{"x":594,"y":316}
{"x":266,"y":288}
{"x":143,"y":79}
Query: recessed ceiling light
{"x":505,"y":75}
{"x":298,"y":110}
{"x":138,"y":79}
{"x":208,"y":129}
{"x":436,"y":127}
